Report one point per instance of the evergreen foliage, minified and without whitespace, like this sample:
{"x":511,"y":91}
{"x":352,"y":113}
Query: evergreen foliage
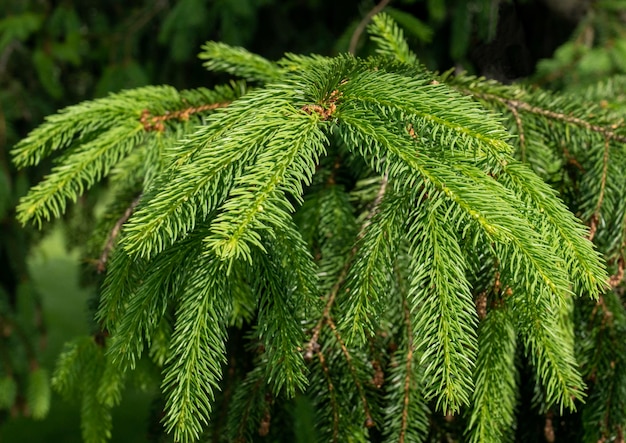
{"x":384,"y":240}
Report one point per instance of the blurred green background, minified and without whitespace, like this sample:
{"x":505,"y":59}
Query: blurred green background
{"x":55,"y":275}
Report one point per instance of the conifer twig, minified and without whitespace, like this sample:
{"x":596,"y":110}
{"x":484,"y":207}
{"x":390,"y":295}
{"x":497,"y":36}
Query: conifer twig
{"x":519,"y":105}
{"x":520,"y":133}
{"x":369,"y":422}
{"x":331,"y":391}
{"x":354,"y":40}
{"x":572,"y":160}
{"x":407,"y":376}
{"x":115,"y":232}
{"x":248,"y":407}
{"x":155,"y":122}
{"x":228,"y":393}
{"x":548,"y":429}
{"x":313,"y":345}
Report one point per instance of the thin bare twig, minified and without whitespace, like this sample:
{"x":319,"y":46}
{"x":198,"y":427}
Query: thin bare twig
{"x":369,"y":421}
{"x":155,"y":122}
{"x":6,"y":55}
{"x":596,"y":212}
{"x":520,"y":132}
{"x":115,"y":232}
{"x":241,"y":430}
{"x":617,"y":278}
{"x":141,"y":19}
{"x":407,"y":377}
{"x":333,"y":398}
{"x":363,"y":23}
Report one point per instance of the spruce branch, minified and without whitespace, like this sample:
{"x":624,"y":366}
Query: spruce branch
{"x":119,"y":284}
{"x":78,"y":171}
{"x":262,"y":189}
{"x":390,"y":40}
{"x":602,"y":359}
{"x":367,"y":281}
{"x":313,"y":345}
{"x":335,"y":227}
{"x":520,"y":133}
{"x":193,"y":370}
{"x":493,"y":406}
{"x":550,"y":347}
{"x":428,"y":105}
{"x":406,"y":412}
{"x":98,"y":136}
{"x":471,"y":189}
{"x":184,"y":196}
{"x":111,"y":385}
{"x":279,"y":330}
{"x":443,"y":313}
{"x":239,"y":62}
{"x":79,"y":373}
{"x":128,"y":307}
{"x":565,"y":229}
{"x":211,"y":245}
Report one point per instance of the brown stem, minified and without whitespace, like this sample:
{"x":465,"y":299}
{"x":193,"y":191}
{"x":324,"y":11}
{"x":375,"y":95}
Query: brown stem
{"x":548,"y":428}
{"x":333,"y":399}
{"x":519,"y":105}
{"x":155,"y":122}
{"x":520,"y":131}
{"x":407,"y":376}
{"x":115,"y":232}
{"x":244,"y":420}
{"x":363,"y":23}
{"x":617,"y":278}
{"x":369,"y":422}
{"x":228,"y":393}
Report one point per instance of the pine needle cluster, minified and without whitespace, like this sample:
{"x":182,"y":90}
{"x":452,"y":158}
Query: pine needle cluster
{"x":381,"y":242}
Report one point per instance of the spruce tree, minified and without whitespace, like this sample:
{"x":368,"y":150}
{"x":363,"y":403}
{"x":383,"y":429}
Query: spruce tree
{"x":380,"y":248}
